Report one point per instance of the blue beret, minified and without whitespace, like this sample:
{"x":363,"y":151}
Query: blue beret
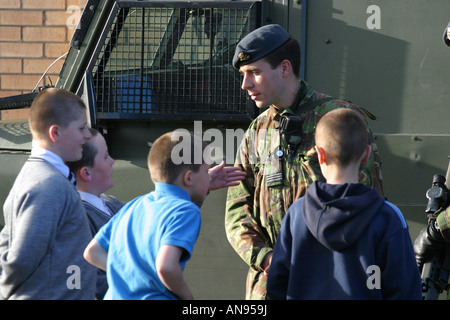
{"x":259,"y":43}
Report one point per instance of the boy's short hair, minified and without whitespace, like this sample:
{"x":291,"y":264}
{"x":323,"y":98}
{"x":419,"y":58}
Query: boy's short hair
{"x":343,"y":134}
{"x":88,"y":155}
{"x":164,"y":157}
{"x":54,"y":106}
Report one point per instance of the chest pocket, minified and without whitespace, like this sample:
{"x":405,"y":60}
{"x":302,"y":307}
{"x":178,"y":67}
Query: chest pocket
{"x":270,"y":183}
{"x":270,"y":154}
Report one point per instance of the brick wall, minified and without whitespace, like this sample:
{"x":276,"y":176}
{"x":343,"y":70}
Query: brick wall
{"x":33,"y":33}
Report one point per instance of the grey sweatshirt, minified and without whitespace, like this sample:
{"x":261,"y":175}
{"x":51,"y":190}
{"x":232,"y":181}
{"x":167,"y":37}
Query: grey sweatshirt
{"x":46,"y":231}
{"x":97,"y":219}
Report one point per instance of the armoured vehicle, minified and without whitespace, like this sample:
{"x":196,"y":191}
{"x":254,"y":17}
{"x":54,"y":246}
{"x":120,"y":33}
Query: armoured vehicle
{"x":148,"y":67}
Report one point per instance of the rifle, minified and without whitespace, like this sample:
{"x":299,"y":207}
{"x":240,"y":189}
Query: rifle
{"x":435,"y":274}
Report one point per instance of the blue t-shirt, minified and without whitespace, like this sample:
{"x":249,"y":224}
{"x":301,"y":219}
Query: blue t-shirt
{"x":135,"y":234}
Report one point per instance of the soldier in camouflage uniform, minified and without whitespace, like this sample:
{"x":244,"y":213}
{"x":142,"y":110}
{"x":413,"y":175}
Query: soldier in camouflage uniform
{"x":277,"y":151}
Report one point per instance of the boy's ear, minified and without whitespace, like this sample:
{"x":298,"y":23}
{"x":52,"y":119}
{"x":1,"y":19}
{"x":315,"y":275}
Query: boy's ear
{"x":321,"y":155}
{"x":187,"y":177}
{"x":366,"y":155}
{"x":85,"y":173}
{"x":53,"y":132}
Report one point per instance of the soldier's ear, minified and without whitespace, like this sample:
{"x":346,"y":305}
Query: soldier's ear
{"x":286,"y":68}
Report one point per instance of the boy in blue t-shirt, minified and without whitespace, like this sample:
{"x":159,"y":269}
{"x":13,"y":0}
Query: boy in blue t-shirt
{"x":145,"y":246}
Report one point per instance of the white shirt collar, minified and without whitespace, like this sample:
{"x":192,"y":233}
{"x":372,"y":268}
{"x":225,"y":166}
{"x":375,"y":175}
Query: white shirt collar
{"x":95,"y":201}
{"x":51,"y":157}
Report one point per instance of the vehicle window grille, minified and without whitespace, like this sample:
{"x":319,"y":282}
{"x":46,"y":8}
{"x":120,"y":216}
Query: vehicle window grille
{"x":172,"y":62}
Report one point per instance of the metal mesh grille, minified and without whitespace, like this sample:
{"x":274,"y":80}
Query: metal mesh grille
{"x":174,"y":61}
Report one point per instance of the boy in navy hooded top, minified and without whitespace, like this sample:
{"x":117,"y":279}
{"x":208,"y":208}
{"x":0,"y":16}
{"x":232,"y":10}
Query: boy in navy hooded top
{"x":342,"y":240}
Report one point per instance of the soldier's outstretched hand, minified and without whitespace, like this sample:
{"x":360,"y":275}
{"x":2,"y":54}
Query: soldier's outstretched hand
{"x":222,"y":176}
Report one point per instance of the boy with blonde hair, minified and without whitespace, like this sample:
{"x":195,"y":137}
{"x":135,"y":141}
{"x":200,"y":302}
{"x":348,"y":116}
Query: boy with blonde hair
{"x":94,"y":177}
{"x":144,"y":247}
{"x":46,"y":229}
{"x":342,"y":240}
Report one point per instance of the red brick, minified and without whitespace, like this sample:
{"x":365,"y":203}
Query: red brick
{"x":26,"y":50}
{"x":54,"y":50}
{"x":80,"y":3}
{"x":44,"y":4}
{"x":9,"y":4}
{"x":57,"y":18}
{"x":10,"y":65}
{"x":10,"y":34}
{"x":19,"y":82}
{"x":15,"y":114}
{"x":70,"y":33}
{"x":32,"y":66}
{"x":20,"y":18}
{"x":44,"y":34}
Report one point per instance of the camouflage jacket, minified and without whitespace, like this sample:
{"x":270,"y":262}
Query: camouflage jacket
{"x":443,"y":221}
{"x":278,"y":173}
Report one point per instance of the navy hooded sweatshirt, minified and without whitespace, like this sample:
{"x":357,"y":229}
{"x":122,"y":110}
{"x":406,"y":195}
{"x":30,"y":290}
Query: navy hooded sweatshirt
{"x":343,"y":242}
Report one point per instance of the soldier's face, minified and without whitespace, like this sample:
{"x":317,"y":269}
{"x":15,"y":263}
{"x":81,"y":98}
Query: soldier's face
{"x":264,"y":85}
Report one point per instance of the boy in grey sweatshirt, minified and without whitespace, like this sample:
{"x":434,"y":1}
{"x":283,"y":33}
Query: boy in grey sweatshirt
{"x":46,"y":228}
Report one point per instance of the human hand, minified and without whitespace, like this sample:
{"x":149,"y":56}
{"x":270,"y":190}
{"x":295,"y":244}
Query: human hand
{"x":222,"y":176}
{"x":266,"y":264}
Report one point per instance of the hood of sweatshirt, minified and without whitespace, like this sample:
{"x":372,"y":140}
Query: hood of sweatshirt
{"x":337,"y":215}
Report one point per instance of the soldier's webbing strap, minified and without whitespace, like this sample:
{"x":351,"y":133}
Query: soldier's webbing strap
{"x":369,"y":114}
{"x":316,"y":103}
{"x":290,"y":125}
{"x":310,"y":105}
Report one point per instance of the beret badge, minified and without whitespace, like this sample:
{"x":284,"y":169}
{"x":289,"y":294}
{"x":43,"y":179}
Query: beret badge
{"x":243,"y":57}
{"x":258,"y":44}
